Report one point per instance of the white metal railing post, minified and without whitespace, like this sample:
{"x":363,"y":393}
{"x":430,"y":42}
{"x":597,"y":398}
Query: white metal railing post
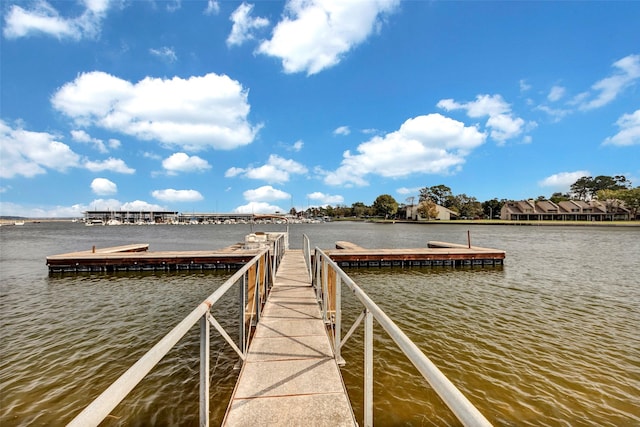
{"x":243,"y":317}
{"x":325,"y":289}
{"x":318,"y":283}
{"x":368,"y":369}
{"x":337,"y":327}
{"x":204,"y":370}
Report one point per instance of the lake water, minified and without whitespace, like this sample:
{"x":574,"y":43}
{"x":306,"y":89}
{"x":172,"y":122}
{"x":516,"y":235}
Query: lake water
{"x":552,"y":338}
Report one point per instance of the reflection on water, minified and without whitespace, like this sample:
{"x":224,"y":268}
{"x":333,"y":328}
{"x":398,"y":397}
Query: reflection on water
{"x":550,"y":339}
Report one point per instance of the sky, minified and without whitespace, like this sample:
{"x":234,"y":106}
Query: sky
{"x":258,"y":107}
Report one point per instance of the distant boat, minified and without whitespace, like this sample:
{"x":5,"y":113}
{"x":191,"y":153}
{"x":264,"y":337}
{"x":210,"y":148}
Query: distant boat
{"x":94,"y":222}
{"x":18,"y":223}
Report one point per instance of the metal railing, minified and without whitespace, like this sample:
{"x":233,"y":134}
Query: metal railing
{"x":255,"y":279}
{"x":327,"y":279}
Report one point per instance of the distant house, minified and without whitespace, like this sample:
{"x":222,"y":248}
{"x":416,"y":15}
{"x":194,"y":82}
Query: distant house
{"x":444,"y":214}
{"x":570,"y":210}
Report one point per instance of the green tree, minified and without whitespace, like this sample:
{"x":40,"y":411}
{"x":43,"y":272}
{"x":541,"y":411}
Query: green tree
{"x":491,"y":208}
{"x":428,"y":209}
{"x":439,"y":194}
{"x":359,"y":209}
{"x":631,"y":200}
{"x":560,"y":197}
{"x":385,"y":205}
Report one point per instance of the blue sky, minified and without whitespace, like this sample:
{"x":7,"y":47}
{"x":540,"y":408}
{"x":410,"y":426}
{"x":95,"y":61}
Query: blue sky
{"x":203,"y":106}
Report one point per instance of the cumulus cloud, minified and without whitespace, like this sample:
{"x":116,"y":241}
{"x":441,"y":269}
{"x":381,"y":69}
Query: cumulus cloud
{"x":276,"y":170}
{"x":626,"y":73}
{"x":28,"y":153}
{"x":98,"y":144}
{"x":562,"y":181}
{"x":265,"y":194}
{"x":258,"y":207}
{"x":165,"y":53}
{"x":315,"y":34}
{"x":342,"y":130}
{"x":181,"y":162}
{"x":197,"y":113}
{"x":629,"y":134}
{"x":425,"y":144}
{"x":244,"y":25}
{"x":213,"y":8}
{"x":111,"y":164}
{"x":404,"y":190}
{"x":325,"y":199}
{"x":42,"y":18}
{"x":171,"y":195}
{"x":103,"y":187}
{"x":502,"y":123}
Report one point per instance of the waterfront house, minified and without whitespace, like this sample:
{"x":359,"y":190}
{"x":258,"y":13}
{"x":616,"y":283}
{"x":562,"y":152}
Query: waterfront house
{"x":569,"y":210}
{"x":444,"y":214}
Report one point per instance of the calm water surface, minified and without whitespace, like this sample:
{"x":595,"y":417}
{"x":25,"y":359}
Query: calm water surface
{"x":550,"y":339}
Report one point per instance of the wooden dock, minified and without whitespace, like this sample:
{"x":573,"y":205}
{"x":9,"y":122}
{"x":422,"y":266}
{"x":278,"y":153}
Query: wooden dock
{"x":137,"y":257}
{"x":436,"y":254}
{"x":290,"y":376}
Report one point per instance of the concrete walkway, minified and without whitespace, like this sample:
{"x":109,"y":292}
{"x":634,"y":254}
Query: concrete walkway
{"x":290,"y":377}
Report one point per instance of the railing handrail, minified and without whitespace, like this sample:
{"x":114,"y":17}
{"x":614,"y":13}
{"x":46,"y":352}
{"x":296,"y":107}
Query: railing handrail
{"x":100,"y":407}
{"x":461,"y":407}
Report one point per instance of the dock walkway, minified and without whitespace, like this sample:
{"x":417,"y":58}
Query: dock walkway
{"x":290,"y":376}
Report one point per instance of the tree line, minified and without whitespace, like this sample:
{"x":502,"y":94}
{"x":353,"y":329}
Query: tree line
{"x":614,"y":191}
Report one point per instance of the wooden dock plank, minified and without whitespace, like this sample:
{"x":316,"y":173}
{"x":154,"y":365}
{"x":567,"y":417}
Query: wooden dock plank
{"x":290,"y":376}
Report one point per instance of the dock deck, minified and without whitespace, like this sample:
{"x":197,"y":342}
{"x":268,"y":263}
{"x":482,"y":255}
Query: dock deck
{"x":290,"y":376}
{"x":348,"y":254}
{"x":137,"y":257}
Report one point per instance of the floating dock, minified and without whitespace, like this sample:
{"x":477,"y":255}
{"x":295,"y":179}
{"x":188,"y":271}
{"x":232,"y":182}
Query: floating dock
{"x":436,"y":254}
{"x":290,"y":376}
{"x":137,"y":257}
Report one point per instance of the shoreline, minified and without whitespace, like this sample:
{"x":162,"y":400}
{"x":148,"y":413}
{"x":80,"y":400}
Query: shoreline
{"x":30,"y":221}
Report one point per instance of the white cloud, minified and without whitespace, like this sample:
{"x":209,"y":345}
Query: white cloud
{"x":171,"y":195}
{"x":556,"y":93}
{"x":524,"y":86}
{"x":629,"y":133}
{"x":297,"y":146}
{"x":325,"y":199}
{"x":501,"y":121}
{"x":103,"y":187}
{"x":42,"y":18}
{"x":174,"y":5}
{"x":425,"y":144}
{"x":28,"y":153}
{"x":316,"y":34}
{"x":265,"y":194}
{"x":342,"y":130}
{"x":213,"y":8}
{"x":165,"y":53}
{"x":627,"y":72}
{"x":244,"y":25}
{"x":404,"y":190}
{"x":197,"y":113}
{"x":84,"y":137}
{"x":258,"y":207}
{"x":276,"y":170}
{"x":562,"y":181}
{"x":181,"y":162}
{"x":111,"y":164}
